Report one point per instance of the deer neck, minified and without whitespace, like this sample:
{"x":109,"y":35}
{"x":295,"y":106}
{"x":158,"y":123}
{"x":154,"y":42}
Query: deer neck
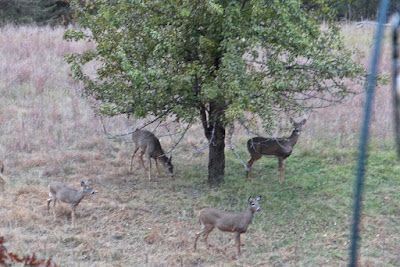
{"x":80,"y":195}
{"x":294,"y":138}
{"x":248,"y":215}
{"x":163,"y":158}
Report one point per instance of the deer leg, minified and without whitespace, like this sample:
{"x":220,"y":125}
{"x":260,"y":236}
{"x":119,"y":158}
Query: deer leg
{"x":48,"y":204}
{"x":207,"y":231}
{"x":238,"y":242}
{"x":157,"y":167}
{"x":250,"y":163}
{"x":49,"y":201}
{"x":198,"y":234}
{"x":54,"y":208}
{"x":73,"y":214}
{"x":141,"y":159}
{"x":249,"y":168}
{"x":149,"y":159}
{"x":282,"y":163}
{"x":133,"y":155}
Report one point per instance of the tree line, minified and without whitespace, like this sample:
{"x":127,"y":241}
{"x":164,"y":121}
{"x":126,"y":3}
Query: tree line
{"x":60,"y":12}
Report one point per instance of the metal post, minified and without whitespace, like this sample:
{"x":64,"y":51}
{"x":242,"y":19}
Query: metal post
{"x":396,"y":80}
{"x":362,"y":158}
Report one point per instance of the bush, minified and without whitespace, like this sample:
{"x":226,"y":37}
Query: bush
{"x":7,"y":258}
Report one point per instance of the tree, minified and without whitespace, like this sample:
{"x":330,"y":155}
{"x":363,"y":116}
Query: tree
{"x":41,"y":12}
{"x":211,"y":61}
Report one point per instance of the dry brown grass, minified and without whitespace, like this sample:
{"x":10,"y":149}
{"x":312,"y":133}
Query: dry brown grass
{"x":341,"y":124}
{"x":50,"y":133}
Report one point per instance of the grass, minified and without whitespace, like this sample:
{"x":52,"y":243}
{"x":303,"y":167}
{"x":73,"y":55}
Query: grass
{"x":49,"y":133}
{"x":133,"y":221}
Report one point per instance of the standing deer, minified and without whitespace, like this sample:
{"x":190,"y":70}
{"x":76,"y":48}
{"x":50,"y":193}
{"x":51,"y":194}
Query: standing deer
{"x":227,"y":221}
{"x":2,"y":182}
{"x":150,"y":145}
{"x":67,"y":194}
{"x":279,"y":147}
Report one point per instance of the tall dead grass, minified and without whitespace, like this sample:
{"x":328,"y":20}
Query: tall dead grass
{"x":340,"y":124}
{"x":41,"y":109}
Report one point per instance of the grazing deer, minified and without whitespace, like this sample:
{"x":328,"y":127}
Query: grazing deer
{"x":67,"y":194}
{"x":150,"y":145}
{"x":279,"y":147}
{"x":227,"y":221}
{"x":2,"y":182}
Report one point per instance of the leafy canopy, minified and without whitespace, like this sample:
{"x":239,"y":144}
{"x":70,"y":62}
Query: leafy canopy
{"x":176,"y":57}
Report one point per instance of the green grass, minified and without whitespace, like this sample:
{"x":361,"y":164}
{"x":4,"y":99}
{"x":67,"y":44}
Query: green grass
{"x":314,"y":205}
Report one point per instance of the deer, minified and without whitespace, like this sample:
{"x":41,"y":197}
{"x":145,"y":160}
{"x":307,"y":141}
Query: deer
{"x":2,"y":182}
{"x":278,"y":147}
{"x":234,"y":222}
{"x":149,"y":144}
{"x":67,"y":194}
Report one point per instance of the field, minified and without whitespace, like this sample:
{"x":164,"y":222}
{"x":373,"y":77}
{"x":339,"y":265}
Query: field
{"x":48,"y":132}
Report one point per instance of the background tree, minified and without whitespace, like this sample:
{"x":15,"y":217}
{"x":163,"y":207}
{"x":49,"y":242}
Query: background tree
{"x":57,"y":12}
{"x":41,"y":11}
{"x":355,"y":10}
{"x":215,"y":62}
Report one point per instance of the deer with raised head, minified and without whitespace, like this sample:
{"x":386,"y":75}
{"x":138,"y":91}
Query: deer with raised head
{"x":234,"y":222}
{"x":149,"y":144}
{"x":278,"y":147}
{"x":67,"y":194}
{"x":2,"y":182}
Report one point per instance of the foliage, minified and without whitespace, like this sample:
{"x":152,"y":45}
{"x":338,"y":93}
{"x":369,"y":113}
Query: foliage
{"x":158,"y":60}
{"x":213,"y":61}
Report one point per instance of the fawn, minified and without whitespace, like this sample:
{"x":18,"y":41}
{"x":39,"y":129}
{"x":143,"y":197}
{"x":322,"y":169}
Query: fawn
{"x":279,"y":147}
{"x":227,"y":221}
{"x":67,"y":194}
{"x":150,"y":145}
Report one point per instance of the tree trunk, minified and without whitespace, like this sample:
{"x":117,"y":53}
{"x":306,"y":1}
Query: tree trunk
{"x":214,"y":130}
{"x":216,"y":158}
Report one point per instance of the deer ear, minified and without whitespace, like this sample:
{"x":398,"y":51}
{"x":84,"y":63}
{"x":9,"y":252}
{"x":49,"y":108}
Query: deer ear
{"x":291,"y":120}
{"x":303,"y":122}
{"x":88,"y":182}
{"x":170,"y":158}
{"x":82,"y":183}
{"x":250,"y":199}
{"x":258,"y":198}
